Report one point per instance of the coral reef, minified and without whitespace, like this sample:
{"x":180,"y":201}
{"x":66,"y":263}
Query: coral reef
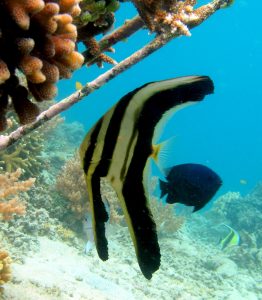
{"x":243,"y":213}
{"x":37,"y":38}
{"x":10,"y":187}
{"x":116,"y":215}
{"x":5,"y":269}
{"x":57,"y":154}
{"x":71,"y":184}
{"x":167,"y":221}
{"x":25,"y":154}
{"x":47,"y":212}
{"x":28,"y":154}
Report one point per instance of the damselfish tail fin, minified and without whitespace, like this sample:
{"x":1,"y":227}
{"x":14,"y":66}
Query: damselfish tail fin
{"x":163,"y":188}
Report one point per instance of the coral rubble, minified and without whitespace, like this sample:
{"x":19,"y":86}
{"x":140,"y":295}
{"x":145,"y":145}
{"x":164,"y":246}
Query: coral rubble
{"x":37,"y":38}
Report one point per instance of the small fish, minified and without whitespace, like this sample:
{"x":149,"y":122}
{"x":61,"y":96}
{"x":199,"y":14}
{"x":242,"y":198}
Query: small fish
{"x":138,"y":118}
{"x":78,"y":85}
{"x":88,"y":230}
{"x":232,"y":239}
{"x":243,"y":181}
{"x":191,"y":185}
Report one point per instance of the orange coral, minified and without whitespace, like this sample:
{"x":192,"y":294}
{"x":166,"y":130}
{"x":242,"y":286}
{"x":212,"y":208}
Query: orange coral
{"x":70,"y":6}
{"x":5,"y":270}
{"x":38,"y":38}
{"x":11,"y":207}
{"x":10,"y":187}
{"x":22,"y":10}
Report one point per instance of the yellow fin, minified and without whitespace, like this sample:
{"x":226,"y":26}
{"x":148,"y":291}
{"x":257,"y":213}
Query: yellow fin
{"x":163,"y":154}
{"x":78,"y":85}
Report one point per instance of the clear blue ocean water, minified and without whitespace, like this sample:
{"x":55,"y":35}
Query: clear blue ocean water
{"x":223,"y":132}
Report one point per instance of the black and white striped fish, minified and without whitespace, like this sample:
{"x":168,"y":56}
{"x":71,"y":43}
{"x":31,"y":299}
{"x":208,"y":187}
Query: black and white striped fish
{"x":119,"y":146}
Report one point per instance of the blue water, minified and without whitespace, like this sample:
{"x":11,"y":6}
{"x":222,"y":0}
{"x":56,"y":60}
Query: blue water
{"x":224,"y":132}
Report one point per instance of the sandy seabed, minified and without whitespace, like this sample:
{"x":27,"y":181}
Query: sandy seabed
{"x":189,"y":271}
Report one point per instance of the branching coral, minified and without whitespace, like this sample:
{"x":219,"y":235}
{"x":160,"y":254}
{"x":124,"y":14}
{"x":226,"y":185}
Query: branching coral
{"x":10,"y":187}
{"x":173,"y":16}
{"x":18,"y":156}
{"x":96,"y":17}
{"x":5,"y":269}
{"x":38,"y":38}
{"x":27,"y":153}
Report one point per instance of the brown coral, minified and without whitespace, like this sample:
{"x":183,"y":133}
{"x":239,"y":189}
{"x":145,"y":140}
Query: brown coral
{"x":71,"y":185}
{"x":5,"y":269}
{"x":10,"y":187}
{"x":166,"y":220}
{"x":109,"y":196}
{"x":38,"y":38}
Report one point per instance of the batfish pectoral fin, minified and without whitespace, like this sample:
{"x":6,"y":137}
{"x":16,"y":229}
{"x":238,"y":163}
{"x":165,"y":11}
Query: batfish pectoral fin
{"x":99,"y":215}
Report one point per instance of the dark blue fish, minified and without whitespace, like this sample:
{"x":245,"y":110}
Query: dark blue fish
{"x":191,"y":185}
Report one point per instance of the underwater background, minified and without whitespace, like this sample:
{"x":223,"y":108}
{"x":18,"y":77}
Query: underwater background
{"x":223,"y":132}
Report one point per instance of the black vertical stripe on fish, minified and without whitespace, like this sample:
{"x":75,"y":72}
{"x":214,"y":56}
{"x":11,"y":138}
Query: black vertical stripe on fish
{"x":91,"y":148}
{"x":112,"y":132}
{"x":101,"y":217}
{"x":121,"y":151}
{"x":133,"y":192}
